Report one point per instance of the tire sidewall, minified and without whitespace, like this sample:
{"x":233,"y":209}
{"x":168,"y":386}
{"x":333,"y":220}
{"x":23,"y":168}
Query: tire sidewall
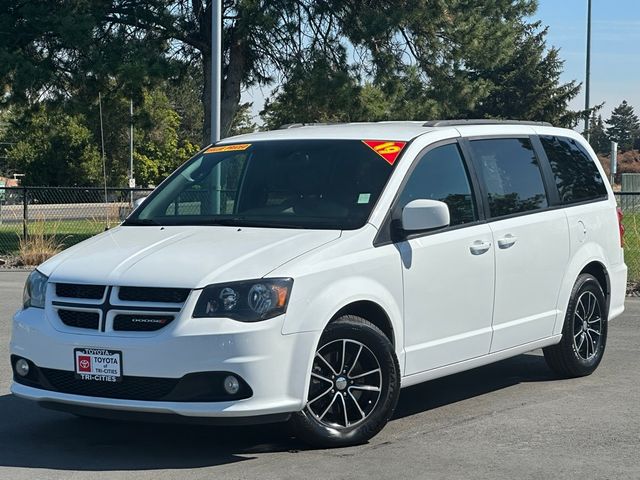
{"x":354,"y":328}
{"x":586,"y":283}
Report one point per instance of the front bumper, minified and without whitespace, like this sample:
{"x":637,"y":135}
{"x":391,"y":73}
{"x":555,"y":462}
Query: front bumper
{"x":274,"y":365}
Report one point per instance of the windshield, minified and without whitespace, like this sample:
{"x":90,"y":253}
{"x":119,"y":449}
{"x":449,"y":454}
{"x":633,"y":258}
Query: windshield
{"x":328,"y":184}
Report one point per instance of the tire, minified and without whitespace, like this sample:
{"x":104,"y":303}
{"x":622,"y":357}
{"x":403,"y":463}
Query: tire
{"x":323,"y":423}
{"x":580,"y":351}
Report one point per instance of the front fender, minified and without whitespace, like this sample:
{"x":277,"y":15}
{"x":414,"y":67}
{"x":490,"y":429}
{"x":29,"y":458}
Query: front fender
{"x":315,"y":309}
{"x":338,"y":274}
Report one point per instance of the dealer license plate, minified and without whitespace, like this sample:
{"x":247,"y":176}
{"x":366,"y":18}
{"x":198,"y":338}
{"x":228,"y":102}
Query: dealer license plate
{"x":98,"y":364}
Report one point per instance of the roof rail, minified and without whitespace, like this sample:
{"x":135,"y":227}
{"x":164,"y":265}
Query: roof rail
{"x":298,"y":125}
{"x":488,"y":121}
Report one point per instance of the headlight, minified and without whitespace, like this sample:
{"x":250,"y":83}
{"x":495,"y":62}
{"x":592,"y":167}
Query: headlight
{"x":34,"y":290}
{"x":249,"y":301}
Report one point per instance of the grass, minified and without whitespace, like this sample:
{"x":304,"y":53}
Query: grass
{"x":63,"y":233}
{"x":632,"y":245}
{"x":38,"y":246}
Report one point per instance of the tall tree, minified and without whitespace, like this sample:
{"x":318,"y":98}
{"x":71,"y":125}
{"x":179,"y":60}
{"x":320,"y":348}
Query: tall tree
{"x":452,"y":46}
{"x":517,"y":77}
{"x":624,"y":126}
{"x":184,"y":92}
{"x":53,"y":148}
{"x":243,"y":121}
{"x":527,"y":84}
{"x":317,"y":91}
{"x":598,"y":136}
{"x":76,"y":48}
{"x":159,"y":149}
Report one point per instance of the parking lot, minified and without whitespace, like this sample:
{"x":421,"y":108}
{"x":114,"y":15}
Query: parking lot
{"x":510,"y":420}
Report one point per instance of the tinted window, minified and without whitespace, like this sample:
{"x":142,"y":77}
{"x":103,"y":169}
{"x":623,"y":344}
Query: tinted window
{"x":441,"y":175}
{"x":511,"y":174}
{"x":197,"y":198}
{"x":331,"y":184}
{"x":577,"y":176}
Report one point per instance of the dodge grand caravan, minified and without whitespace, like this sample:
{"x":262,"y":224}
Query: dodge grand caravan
{"x":310,"y":273}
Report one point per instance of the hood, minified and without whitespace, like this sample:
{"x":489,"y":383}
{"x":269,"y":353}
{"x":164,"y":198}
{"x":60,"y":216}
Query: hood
{"x":181,"y":257}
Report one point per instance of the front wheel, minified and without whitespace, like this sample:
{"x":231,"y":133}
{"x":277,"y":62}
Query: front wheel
{"x":584,"y":334}
{"x":354,"y":387}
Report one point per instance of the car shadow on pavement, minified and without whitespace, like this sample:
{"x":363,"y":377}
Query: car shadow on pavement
{"x":34,"y":437}
{"x":530,"y":367}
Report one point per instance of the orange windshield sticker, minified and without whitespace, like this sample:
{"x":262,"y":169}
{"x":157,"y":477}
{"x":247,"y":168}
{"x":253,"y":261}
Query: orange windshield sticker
{"x":228,"y":148}
{"x":387,"y":150}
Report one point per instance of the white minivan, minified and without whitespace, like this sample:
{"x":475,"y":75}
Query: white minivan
{"x":310,"y":273}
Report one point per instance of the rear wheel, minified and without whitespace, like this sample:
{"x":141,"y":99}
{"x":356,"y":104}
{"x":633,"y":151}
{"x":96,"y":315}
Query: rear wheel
{"x":584,"y":334}
{"x":354,"y":388}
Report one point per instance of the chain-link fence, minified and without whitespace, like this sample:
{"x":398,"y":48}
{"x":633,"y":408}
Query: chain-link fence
{"x":63,"y":216}
{"x":629,"y":202}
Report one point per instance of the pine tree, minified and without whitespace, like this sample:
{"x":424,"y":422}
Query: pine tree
{"x":423,"y":58}
{"x":431,"y":60}
{"x":598,"y":137}
{"x":527,"y":84}
{"x":624,"y":126}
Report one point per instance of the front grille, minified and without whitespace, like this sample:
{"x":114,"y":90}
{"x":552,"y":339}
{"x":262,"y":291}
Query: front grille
{"x":140,"y":309}
{"x":140,"y":323}
{"x":78,"y":319}
{"x":130,"y":388}
{"x":71,"y":290}
{"x":152,"y":294}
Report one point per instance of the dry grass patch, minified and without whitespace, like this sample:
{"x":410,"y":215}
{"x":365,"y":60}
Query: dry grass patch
{"x":39,"y":246}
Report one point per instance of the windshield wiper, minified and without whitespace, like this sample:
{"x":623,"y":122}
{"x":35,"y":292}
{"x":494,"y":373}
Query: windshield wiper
{"x":226,"y":222}
{"x":141,"y":222}
{"x":243,"y":222}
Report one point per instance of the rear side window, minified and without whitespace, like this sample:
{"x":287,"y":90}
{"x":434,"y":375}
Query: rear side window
{"x":577,"y":176}
{"x":441,"y":175}
{"x":511,"y":174}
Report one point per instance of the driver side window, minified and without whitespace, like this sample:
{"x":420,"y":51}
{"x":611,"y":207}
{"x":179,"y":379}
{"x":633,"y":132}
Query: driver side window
{"x":441,"y":175}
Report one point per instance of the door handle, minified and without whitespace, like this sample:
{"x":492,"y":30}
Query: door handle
{"x":479,"y":247}
{"x":507,"y":241}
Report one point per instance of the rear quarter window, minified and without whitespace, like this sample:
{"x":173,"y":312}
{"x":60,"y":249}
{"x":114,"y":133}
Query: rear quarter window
{"x":576,"y":174}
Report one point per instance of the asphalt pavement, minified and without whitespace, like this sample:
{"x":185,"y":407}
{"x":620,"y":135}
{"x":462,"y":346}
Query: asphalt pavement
{"x":510,"y":420}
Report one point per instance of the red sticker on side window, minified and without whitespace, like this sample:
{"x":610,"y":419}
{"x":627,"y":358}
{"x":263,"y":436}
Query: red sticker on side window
{"x":387,"y":150}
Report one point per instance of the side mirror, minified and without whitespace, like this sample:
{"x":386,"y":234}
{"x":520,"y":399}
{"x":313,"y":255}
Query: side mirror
{"x":420,"y":215}
{"x":138,"y":202}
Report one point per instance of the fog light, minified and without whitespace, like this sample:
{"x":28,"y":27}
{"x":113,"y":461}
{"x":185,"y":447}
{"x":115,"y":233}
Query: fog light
{"x":231,"y":385}
{"x":22,"y":367}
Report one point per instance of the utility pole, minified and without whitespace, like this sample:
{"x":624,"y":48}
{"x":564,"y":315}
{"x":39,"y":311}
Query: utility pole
{"x":216,"y":91}
{"x":588,"y":72}
{"x":132,"y":180}
{"x":216,"y":66}
{"x":104,"y":165}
